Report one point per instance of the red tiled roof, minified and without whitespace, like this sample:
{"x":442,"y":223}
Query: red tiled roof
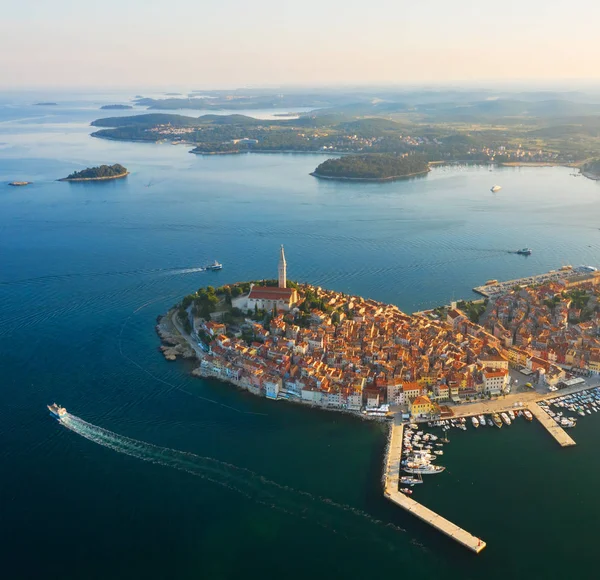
{"x":270,"y":293}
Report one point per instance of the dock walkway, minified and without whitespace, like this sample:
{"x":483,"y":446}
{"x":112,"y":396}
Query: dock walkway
{"x":551,"y":425}
{"x":392,"y":478}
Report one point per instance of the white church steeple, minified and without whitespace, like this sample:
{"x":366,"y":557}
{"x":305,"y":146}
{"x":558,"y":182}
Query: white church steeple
{"x":282,"y":269}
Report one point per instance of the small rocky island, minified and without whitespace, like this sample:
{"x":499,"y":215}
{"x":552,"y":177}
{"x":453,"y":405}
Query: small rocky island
{"x":99,"y":173}
{"x":116,"y":107}
{"x":372,"y":167}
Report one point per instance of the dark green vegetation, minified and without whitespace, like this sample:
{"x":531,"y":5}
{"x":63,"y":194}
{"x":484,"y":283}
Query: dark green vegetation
{"x":473,"y":309}
{"x":211,"y":303}
{"x":116,"y":107}
{"x":372,"y":166}
{"x":100,"y":172}
{"x":592,"y":167}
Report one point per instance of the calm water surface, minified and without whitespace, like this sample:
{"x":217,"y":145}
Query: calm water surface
{"x":285,"y":491}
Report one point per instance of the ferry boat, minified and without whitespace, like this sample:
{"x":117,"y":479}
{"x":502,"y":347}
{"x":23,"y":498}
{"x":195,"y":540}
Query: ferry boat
{"x":495,"y":188}
{"x":496,"y":419}
{"x":475,"y":422}
{"x":57,"y":411}
{"x":527,"y":414}
{"x":214,"y":266}
{"x":423,"y":469}
{"x":525,"y":251}
{"x":505,"y":418}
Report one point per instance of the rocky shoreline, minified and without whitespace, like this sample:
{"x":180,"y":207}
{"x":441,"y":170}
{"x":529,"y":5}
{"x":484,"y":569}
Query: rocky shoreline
{"x":367,"y":179}
{"x":121,"y":175}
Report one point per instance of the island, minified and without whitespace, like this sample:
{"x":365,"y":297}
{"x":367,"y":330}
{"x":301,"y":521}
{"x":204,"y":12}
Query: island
{"x":372,"y":167}
{"x":48,"y":104}
{"x":116,"y":107}
{"x":591,"y":169}
{"x":100,"y":173}
{"x":19,"y":183}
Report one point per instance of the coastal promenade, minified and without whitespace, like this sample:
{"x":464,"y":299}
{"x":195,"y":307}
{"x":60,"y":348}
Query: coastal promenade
{"x":551,"y":426}
{"x":392,"y":477}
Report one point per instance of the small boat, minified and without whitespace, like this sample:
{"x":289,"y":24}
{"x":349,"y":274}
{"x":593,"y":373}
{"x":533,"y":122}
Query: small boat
{"x":407,"y":480}
{"x":475,"y":422}
{"x":423,"y":468}
{"x":497,"y":420}
{"x":505,"y":418}
{"x":482,"y":420}
{"x":495,"y":188}
{"x":527,"y":414}
{"x":439,"y":452}
{"x":406,"y":491}
{"x":511,"y":414}
{"x":214,"y":266}
{"x":524,"y":251}
{"x":490,"y":423}
{"x":57,"y":411}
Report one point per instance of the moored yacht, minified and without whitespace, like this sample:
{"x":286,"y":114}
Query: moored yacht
{"x":482,"y":420}
{"x":527,"y":414}
{"x":505,"y":418}
{"x":475,"y":422}
{"x":497,"y":420}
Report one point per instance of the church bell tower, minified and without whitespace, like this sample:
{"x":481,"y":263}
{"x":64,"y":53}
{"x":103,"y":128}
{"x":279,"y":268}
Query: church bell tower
{"x":282,"y":269}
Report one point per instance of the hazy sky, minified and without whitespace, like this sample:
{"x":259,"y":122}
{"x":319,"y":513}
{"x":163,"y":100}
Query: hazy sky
{"x":229,"y":43}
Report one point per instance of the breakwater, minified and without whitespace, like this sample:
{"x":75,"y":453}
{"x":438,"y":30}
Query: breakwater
{"x":391,"y":492}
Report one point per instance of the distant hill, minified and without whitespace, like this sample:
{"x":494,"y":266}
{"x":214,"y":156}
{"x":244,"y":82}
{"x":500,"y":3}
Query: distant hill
{"x":116,"y":107}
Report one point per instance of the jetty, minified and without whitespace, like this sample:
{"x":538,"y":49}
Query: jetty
{"x":391,"y":492}
{"x":551,"y":426}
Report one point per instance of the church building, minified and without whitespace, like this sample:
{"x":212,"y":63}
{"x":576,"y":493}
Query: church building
{"x":267,"y":297}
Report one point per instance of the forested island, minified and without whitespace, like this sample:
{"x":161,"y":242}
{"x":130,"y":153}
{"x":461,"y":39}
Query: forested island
{"x":98,"y":173}
{"x":372,"y":167}
{"x":591,"y":169}
{"x":116,"y":107}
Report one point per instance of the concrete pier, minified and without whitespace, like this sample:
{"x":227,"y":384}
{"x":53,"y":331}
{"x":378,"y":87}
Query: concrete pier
{"x":392,"y":478}
{"x":551,"y":426}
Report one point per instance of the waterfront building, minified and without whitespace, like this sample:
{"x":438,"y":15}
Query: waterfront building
{"x":423,"y":407}
{"x":494,"y":381}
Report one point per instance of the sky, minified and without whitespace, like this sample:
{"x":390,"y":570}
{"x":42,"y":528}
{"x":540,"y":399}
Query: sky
{"x":230,"y":43}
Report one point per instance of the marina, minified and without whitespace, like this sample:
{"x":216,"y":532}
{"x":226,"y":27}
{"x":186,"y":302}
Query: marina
{"x":391,"y":492}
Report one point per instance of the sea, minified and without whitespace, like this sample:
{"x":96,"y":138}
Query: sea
{"x":161,"y":475}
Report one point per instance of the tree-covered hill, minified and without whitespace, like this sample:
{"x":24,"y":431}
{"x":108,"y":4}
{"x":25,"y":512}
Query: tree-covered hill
{"x":372,"y":166}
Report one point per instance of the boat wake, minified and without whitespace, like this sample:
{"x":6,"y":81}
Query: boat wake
{"x":339,"y":518}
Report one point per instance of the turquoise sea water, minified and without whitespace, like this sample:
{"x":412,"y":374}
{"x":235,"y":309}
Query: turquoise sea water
{"x":195,"y":479}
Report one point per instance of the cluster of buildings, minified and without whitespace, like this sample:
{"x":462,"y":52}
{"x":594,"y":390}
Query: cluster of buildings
{"x":518,"y":154}
{"x":355,"y":353}
{"x":544,"y":329}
